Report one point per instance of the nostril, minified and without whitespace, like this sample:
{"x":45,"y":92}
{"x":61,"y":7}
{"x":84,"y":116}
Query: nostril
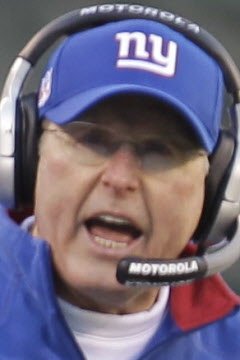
{"x":119,"y":182}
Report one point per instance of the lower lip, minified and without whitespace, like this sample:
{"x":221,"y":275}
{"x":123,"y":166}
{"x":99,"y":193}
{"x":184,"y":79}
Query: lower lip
{"x":113,"y":252}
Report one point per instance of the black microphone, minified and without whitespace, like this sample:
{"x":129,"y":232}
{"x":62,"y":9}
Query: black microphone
{"x":135,"y":271}
{"x":158,"y":272}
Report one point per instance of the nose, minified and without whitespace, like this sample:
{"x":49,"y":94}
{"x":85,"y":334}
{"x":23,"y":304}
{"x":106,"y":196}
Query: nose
{"x":121,"y":173}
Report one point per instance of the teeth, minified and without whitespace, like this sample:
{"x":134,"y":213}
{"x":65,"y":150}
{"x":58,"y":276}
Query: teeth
{"x":109,"y":243}
{"x":114,"y":220}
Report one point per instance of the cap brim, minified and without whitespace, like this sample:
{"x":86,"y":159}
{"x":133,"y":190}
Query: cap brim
{"x":75,"y":106}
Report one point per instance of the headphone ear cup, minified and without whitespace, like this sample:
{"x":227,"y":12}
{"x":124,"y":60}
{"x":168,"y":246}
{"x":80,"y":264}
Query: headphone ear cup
{"x":216,"y":181}
{"x":27,"y":137}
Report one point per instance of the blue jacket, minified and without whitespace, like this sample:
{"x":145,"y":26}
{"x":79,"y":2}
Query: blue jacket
{"x":203,"y":319}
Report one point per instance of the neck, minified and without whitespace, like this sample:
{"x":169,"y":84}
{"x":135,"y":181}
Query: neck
{"x":129,"y":301}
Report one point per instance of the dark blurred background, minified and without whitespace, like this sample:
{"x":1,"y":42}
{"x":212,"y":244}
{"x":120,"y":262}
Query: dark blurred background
{"x":19,"y":20}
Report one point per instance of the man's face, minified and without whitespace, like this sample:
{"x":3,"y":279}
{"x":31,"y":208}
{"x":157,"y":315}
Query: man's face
{"x":144,"y":204}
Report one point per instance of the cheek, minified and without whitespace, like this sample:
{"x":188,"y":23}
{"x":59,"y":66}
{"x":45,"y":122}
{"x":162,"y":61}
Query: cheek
{"x":57,"y":196}
{"x":61,"y":191}
{"x":178,"y":200}
{"x":59,"y":178}
{"x":52,"y":182}
{"x":189,"y":201}
{"x":51,"y":197}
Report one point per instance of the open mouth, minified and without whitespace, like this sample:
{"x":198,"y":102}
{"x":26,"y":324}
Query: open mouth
{"x":112,"y":232}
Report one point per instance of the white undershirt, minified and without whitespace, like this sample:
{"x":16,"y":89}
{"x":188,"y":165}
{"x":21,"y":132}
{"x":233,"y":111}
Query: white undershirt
{"x":118,"y":337}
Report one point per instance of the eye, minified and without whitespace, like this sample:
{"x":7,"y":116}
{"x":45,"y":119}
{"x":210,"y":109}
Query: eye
{"x":155,"y":155}
{"x":154,"y":147}
{"x":97,"y":140}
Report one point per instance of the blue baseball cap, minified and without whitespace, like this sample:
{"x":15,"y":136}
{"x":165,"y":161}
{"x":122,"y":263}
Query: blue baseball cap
{"x":134,"y":56}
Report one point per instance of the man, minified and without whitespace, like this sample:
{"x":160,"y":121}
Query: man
{"x":123,"y":160}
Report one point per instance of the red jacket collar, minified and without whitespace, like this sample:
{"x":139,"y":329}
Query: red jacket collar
{"x":202,"y":302}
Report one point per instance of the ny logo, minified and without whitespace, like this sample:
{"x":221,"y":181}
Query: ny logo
{"x":138,"y":51}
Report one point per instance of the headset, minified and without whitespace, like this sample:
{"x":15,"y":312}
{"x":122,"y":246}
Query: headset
{"x":218,"y":233}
